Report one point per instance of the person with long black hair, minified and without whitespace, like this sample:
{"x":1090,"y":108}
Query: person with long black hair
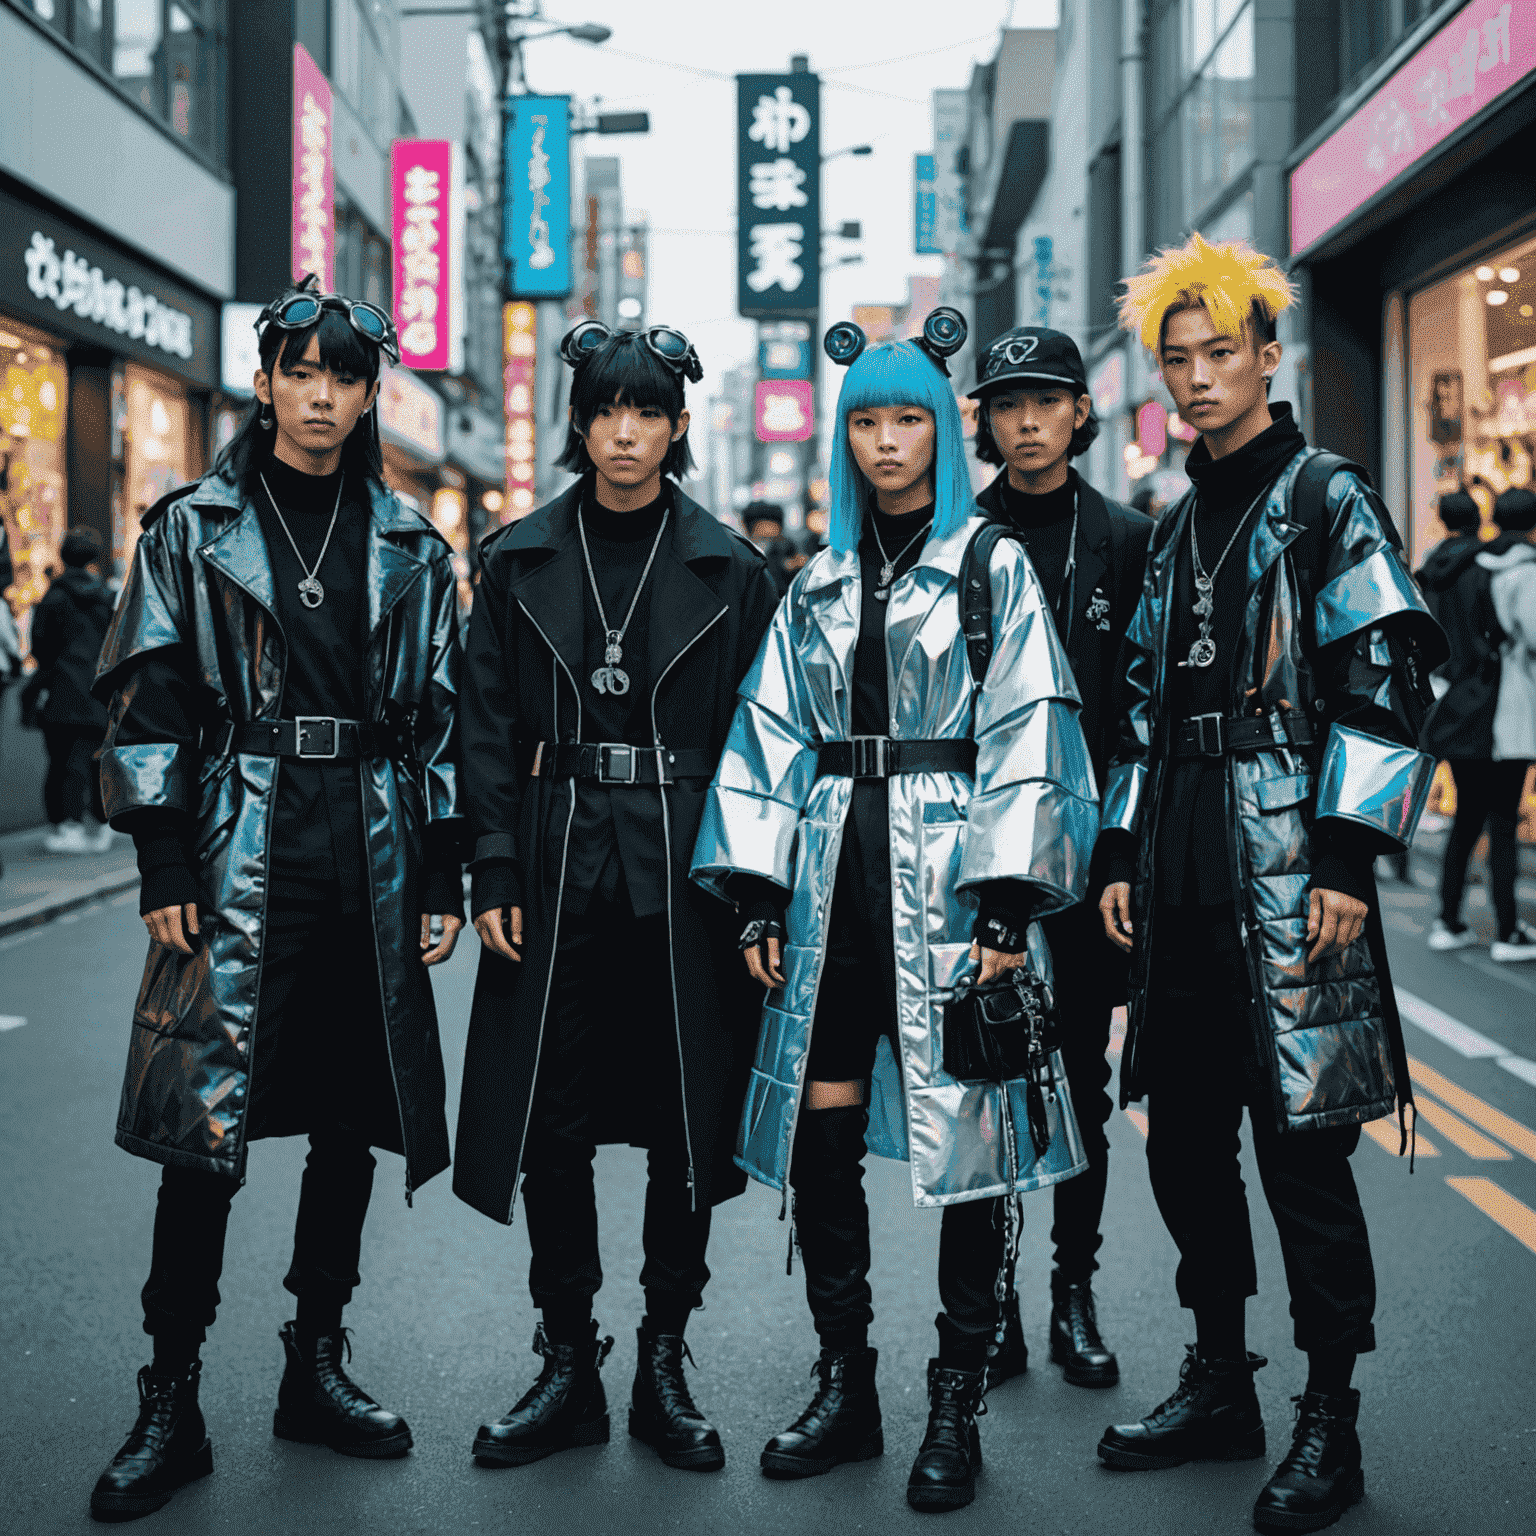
{"x":281,"y":678}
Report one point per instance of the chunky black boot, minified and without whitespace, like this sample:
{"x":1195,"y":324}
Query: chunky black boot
{"x":319,"y":1404}
{"x":944,"y":1474}
{"x":566,"y":1406}
{"x":1075,"y":1342}
{"x":1212,"y":1416}
{"x":662,"y":1411}
{"x":842,"y":1422}
{"x":1320,"y":1476}
{"x":167,"y":1448}
{"x":1011,"y":1357}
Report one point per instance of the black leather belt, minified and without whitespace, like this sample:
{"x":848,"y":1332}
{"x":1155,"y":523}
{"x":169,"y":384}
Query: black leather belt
{"x":879,"y":757}
{"x":1216,"y":736}
{"x":315,"y":738}
{"x":615,"y":762}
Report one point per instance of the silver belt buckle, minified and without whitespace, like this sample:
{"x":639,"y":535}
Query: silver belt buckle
{"x":1213,"y":721}
{"x":301,"y":735}
{"x":605,"y":772}
{"x":869,"y":757}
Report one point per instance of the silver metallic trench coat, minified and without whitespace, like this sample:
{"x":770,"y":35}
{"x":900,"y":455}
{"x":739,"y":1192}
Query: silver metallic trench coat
{"x":201,"y":580}
{"x":1030,"y":815}
{"x":1328,"y":1033}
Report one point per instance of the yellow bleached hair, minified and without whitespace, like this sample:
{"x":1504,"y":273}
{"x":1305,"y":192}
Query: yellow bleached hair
{"x":1224,"y":280}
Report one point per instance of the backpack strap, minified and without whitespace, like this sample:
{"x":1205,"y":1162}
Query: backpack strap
{"x":976,"y":596}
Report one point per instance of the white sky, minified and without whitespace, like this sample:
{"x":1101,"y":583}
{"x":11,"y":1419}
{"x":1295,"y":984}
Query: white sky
{"x":669,"y":59}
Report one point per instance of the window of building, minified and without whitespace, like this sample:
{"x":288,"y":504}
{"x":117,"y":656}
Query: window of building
{"x":1472,"y":388}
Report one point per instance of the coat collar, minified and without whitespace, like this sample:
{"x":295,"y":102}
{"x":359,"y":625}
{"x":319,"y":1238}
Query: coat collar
{"x":696,"y":535}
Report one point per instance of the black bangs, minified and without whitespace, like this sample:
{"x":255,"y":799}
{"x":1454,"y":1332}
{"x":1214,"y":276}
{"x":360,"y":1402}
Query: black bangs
{"x":342,"y":350}
{"x":625,"y":372}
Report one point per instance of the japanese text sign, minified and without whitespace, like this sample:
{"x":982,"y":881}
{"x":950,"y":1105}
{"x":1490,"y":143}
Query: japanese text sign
{"x":926,"y":218}
{"x":519,"y":348}
{"x":782,"y":410}
{"x":536,"y":193}
{"x":778,"y":195}
{"x":314,"y":174}
{"x":1484,"y":50}
{"x":427,"y":229}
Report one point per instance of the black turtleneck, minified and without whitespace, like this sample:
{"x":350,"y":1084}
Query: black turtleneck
{"x":1044,"y":523}
{"x":899,"y":539}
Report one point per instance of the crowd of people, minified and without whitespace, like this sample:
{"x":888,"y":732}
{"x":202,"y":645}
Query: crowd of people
{"x":781,"y":856}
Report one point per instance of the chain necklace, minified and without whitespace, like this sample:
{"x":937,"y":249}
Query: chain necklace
{"x":888,"y":570}
{"x":311,"y":593}
{"x":611,"y":678}
{"x":1203,"y":652}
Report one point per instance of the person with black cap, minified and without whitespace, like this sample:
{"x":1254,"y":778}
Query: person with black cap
{"x":764,"y":522}
{"x":1034,"y":417}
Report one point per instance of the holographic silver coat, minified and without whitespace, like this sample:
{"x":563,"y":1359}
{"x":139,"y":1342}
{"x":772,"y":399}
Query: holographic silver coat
{"x":1328,"y":1032}
{"x":201,"y":582}
{"x":1030,"y":816}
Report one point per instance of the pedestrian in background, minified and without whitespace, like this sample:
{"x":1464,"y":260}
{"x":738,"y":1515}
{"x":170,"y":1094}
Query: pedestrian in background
{"x":67,"y":631}
{"x":1035,"y":416}
{"x":764,"y":522}
{"x":282,"y":675}
{"x":892,"y":825}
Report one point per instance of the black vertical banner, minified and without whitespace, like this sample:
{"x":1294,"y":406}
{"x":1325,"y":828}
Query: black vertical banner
{"x":778,"y":196}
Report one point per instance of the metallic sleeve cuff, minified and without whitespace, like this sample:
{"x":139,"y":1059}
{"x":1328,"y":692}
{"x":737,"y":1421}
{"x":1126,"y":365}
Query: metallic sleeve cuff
{"x":1364,"y":595}
{"x":1036,"y":832}
{"x":744,"y":834}
{"x":1123,"y":787}
{"x":1377,"y":783}
{"x":495,"y":845}
{"x":159,"y":773}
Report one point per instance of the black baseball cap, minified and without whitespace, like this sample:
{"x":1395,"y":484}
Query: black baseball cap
{"x":1030,"y":357}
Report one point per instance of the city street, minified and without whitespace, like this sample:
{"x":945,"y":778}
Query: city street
{"x":443,"y":1322}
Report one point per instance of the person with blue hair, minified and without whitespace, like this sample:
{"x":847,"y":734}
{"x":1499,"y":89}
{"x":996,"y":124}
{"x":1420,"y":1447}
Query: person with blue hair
{"x":890,"y":827}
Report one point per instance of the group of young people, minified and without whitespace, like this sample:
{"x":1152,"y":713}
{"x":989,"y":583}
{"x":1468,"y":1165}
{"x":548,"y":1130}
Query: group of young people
{"x":764,"y":885}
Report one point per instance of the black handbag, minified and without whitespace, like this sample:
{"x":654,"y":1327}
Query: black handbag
{"x":1003,"y":1032}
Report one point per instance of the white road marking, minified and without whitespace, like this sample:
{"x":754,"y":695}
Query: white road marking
{"x":1461,"y":1038}
{"x":10,"y":1021}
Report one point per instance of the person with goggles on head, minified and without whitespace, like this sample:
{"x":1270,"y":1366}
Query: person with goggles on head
{"x":281,"y":678}
{"x":606,"y":642}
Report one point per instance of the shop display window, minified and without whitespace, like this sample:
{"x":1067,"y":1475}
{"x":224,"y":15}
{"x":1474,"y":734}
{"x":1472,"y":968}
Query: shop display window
{"x":156,"y":451}
{"x":34,"y":411}
{"x":1472,"y":361}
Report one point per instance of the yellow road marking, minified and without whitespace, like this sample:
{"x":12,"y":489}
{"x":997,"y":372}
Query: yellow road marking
{"x":1385,"y":1134}
{"x":1498,"y":1205}
{"x":1494,"y":1121}
{"x":1138,"y":1119}
{"x":1460,"y":1134}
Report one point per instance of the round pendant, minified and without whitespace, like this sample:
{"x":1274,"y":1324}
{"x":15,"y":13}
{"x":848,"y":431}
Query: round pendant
{"x":611,"y":680}
{"x":311,"y":593}
{"x":1202,"y":653}
{"x":882,"y":594}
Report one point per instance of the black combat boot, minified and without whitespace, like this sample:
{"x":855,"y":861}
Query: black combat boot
{"x":662,"y":1412}
{"x":842,"y":1422}
{"x":1011,"y":1357}
{"x":944,"y":1474}
{"x":167,"y":1448}
{"x":566,"y":1406}
{"x":1075,"y":1342}
{"x":319,"y":1404}
{"x":1212,"y":1416}
{"x":1320,"y":1476}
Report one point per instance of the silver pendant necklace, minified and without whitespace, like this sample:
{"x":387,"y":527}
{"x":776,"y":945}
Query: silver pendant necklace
{"x":1203,"y":652}
{"x":888,"y":569}
{"x":611,"y":677}
{"x":311,"y":593}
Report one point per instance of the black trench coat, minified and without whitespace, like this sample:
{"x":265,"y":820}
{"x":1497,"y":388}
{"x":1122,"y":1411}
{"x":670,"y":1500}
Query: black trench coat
{"x":199,"y":593}
{"x":711,"y":602}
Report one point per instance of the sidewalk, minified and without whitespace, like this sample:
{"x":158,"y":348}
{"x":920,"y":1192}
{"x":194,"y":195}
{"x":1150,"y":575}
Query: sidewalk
{"x":37,"y":886}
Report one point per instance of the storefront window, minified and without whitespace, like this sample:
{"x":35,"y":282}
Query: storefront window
{"x":170,"y":58}
{"x":34,"y":408}
{"x":1472,"y":361}
{"x":157,"y":434}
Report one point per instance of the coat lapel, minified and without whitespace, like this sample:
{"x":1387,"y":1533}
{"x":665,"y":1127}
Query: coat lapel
{"x":1092,"y":567}
{"x":392,"y":571}
{"x":683,"y":605}
{"x":239,"y":553}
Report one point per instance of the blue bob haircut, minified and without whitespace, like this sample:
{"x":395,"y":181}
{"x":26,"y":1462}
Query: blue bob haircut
{"x":899,"y":373}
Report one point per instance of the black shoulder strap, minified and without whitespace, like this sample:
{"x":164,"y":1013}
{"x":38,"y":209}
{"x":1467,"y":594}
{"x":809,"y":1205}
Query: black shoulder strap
{"x":976,"y":596}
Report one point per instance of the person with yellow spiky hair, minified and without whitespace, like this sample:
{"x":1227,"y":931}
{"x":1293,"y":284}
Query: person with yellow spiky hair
{"x":1277,"y":674}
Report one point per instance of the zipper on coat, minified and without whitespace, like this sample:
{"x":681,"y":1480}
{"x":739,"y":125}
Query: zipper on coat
{"x":666,"y":830}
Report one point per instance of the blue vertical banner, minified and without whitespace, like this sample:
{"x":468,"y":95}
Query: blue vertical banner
{"x":925,"y":222}
{"x":536,"y":196}
{"x":778,"y":196}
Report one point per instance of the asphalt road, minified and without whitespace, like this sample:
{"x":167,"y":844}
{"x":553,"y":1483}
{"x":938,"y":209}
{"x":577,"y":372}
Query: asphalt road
{"x":443,"y":1321}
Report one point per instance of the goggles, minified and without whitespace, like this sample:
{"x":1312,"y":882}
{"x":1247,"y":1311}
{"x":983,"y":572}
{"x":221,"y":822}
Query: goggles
{"x":943,"y":334}
{"x":299,"y":310}
{"x":668,"y":346}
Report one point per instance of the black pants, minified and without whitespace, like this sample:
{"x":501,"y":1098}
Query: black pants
{"x":319,"y":1024}
{"x":611,"y":993}
{"x":855,"y":1007}
{"x":1202,"y":1070}
{"x":1485,"y":792}
{"x":71,"y":787}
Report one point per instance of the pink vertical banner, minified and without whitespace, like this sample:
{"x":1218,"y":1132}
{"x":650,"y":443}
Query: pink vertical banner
{"x":314,"y":172}
{"x":422,"y":175}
